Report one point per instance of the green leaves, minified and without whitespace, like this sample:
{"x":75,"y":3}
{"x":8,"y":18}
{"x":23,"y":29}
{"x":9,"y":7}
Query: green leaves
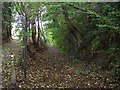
{"x":108,"y":26}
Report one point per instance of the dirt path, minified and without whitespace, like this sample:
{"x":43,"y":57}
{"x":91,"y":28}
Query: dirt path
{"x":50,"y":69}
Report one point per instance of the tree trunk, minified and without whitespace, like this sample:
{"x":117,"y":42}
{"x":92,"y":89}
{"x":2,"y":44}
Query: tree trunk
{"x":75,"y":34}
{"x":25,"y":48}
{"x":34,"y":33}
{"x":38,"y":39}
{"x":42,"y":32}
{"x":13,"y":75}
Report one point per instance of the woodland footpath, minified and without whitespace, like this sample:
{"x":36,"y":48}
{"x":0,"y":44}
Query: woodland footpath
{"x":60,"y":45}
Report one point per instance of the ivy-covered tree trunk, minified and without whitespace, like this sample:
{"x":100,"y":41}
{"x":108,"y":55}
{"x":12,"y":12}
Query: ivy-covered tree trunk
{"x":42,"y":32}
{"x":74,"y":33}
{"x":25,"y":48}
{"x":38,"y":39}
{"x":29,"y":30}
{"x":34,"y":33}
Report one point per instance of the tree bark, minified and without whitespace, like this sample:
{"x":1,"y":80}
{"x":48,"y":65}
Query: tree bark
{"x":34,"y":33}
{"x":38,"y":39}
{"x":25,"y":48}
{"x":73,"y":30}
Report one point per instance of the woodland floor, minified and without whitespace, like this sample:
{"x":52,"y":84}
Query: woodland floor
{"x":51,"y":69}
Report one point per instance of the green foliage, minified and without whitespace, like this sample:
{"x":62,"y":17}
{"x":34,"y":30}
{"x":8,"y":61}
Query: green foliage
{"x":97,"y":27}
{"x":6,"y":21}
{"x":83,"y":30}
{"x":116,"y":73}
{"x":82,"y":71}
{"x":116,"y":69}
{"x":55,"y":26}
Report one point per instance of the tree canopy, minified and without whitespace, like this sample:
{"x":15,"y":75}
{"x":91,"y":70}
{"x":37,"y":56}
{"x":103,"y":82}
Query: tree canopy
{"x":86,"y":31}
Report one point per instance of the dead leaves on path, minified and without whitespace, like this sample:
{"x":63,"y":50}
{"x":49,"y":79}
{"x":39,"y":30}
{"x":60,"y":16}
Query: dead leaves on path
{"x":52,"y":70}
